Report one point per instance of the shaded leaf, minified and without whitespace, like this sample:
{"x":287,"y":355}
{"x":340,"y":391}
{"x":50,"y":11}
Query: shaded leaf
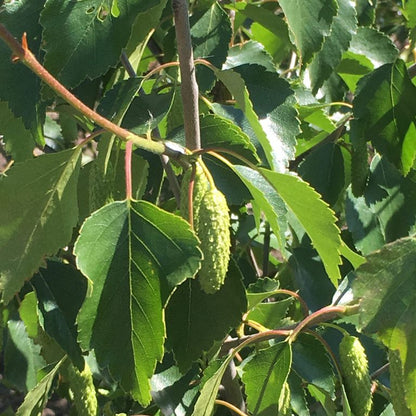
{"x":43,"y":192}
{"x":325,"y":61}
{"x":385,"y":103}
{"x":387,"y":289}
{"x":22,"y":359}
{"x":260,"y":290}
{"x":264,"y":375}
{"x":19,"y":17}
{"x":93,"y":35}
{"x":366,"y":12}
{"x":60,"y":291}
{"x":19,"y":141}
{"x":196,"y":320}
{"x":35,"y":401}
{"x":312,"y":363}
{"x":134,"y":254}
{"x":309,"y":23}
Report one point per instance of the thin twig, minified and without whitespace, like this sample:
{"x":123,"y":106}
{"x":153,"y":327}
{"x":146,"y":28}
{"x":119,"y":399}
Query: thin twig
{"x":189,"y":87}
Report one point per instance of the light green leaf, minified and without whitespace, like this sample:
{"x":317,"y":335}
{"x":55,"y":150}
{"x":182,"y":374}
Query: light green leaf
{"x":260,"y":290}
{"x":409,"y":10}
{"x":134,"y":254}
{"x":38,"y":215}
{"x":385,"y":103}
{"x":195,"y":320}
{"x":325,"y":61}
{"x":313,"y":213}
{"x":36,"y":399}
{"x":386,"y":286}
{"x":264,"y":375}
{"x":93,"y":35}
{"x":309,"y":21}
{"x":248,"y":53}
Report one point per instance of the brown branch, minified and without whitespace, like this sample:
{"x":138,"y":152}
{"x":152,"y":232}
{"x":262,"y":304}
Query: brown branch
{"x":22,"y":53}
{"x":189,"y":87}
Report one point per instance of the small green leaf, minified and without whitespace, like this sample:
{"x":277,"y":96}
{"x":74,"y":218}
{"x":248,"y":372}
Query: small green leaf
{"x":309,"y":21}
{"x":42,"y":191}
{"x":385,"y":104}
{"x":208,"y":318}
{"x":36,"y":399}
{"x":386,"y":287}
{"x":135,"y":254}
{"x":324,"y":62}
{"x":264,"y":375}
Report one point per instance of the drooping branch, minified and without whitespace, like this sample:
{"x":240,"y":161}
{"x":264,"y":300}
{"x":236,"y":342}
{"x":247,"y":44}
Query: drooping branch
{"x":189,"y":86}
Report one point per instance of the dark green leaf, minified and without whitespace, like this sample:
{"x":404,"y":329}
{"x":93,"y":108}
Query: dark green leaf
{"x":386,"y":285}
{"x":38,"y":215}
{"x":264,"y":374}
{"x":22,"y":359}
{"x":19,"y":85}
{"x":366,"y":12}
{"x":19,"y":141}
{"x":248,"y":53}
{"x":211,"y":35}
{"x":326,"y":60}
{"x":196,"y":320}
{"x":172,"y":393}
{"x":60,"y":291}
{"x":312,"y":363}
{"x":309,"y":21}
{"x":93,"y":35}
{"x":324,"y":170}
{"x":134,"y":254}
{"x":36,"y":399}
{"x":385,"y":103}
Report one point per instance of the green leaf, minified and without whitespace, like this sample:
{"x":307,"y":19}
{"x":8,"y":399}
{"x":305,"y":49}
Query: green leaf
{"x":385,"y":103}
{"x":366,"y":12}
{"x":272,"y":116}
{"x":195,"y":320}
{"x":260,"y":290}
{"x":36,"y":399}
{"x":309,"y":21}
{"x":22,"y":359}
{"x":211,"y":35}
{"x":326,"y":60}
{"x":19,"y":86}
{"x":87,"y":29}
{"x":270,"y":314}
{"x":139,"y":253}
{"x":247,"y":53}
{"x":374,"y":45}
{"x":409,"y":10}
{"x":387,"y":289}
{"x":38,"y":215}
{"x":352,"y":67}
{"x":173,"y":392}
{"x":19,"y":141}
{"x":60,"y":291}
{"x":219,"y":133}
{"x":324,"y":170}
{"x":318,"y":220}
{"x":267,"y":28}
{"x":264,"y":375}
{"x":312,"y":363}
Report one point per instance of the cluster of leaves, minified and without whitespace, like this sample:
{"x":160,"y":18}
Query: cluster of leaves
{"x":309,"y":111}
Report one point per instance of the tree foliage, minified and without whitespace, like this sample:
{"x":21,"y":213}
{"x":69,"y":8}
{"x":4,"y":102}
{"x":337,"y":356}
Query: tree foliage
{"x":307,"y":118}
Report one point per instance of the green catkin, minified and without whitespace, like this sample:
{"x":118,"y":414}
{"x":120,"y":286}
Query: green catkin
{"x":354,"y":366}
{"x":211,"y":223}
{"x":82,"y":386}
{"x":284,"y":401}
{"x":214,"y":232}
{"x":201,"y":186}
{"x":397,"y":386}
